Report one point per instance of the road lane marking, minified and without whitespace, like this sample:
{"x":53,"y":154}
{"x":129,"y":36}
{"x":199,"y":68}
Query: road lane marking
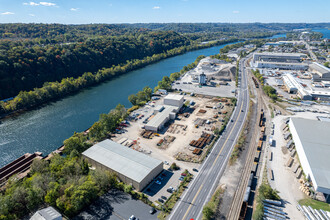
{"x":222,"y":164}
{"x":214,"y":162}
{"x":213,"y":149}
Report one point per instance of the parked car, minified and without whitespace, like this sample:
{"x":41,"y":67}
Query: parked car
{"x":183,"y":174}
{"x":166,"y":163}
{"x":194,"y":169}
{"x":181,"y":178}
{"x":163,"y":197}
{"x":132,"y":218}
{"x":160,"y":200}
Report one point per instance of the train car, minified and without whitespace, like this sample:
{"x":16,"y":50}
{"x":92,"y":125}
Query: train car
{"x":261,"y":120}
{"x":243,"y":211}
{"x":254,"y":168}
{"x":247,"y":194}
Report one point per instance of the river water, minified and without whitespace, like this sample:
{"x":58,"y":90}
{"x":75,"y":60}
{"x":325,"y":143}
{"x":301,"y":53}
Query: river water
{"x":44,"y":129}
{"x":325,"y":32}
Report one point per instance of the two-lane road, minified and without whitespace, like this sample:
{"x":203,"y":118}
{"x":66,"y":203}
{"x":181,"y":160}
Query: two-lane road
{"x":202,"y":187}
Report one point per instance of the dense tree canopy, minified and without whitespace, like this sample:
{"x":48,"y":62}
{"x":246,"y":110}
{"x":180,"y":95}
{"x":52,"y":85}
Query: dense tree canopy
{"x":26,"y":67}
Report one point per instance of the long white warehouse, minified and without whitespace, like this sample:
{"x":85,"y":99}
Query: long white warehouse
{"x":130,"y":166}
{"x":312,"y":141}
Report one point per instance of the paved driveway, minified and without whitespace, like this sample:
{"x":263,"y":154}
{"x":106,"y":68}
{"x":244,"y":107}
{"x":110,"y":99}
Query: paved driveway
{"x":116,"y":205}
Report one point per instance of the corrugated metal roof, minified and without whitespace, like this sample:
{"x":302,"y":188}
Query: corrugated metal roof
{"x":160,"y":117}
{"x":315,"y":139}
{"x":128,"y":162}
{"x":320,"y":68}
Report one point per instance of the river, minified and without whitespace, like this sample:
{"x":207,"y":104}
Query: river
{"x":44,"y":129}
{"x":325,"y":32}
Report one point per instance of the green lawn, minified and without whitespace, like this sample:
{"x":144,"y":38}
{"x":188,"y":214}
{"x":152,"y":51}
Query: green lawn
{"x":315,"y":204}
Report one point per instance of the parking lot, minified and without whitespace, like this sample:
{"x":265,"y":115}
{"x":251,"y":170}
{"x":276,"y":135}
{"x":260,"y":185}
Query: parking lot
{"x":116,"y":205}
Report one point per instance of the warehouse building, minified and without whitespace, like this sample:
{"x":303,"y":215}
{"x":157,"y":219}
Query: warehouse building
{"x":312,"y":143}
{"x":319,"y":72}
{"x":130,"y":166}
{"x":281,"y":66}
{"x":293,"y":85}
{"x":174,"y":100}
{"x":289,"y":84}
{"x":48,"y":213}
{"x":283,"y":61}
{"x":164,"y":113}
{"x":279,"y":57}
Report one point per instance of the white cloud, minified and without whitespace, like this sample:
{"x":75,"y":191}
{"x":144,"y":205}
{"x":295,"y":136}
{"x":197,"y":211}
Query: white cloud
{"x":40,"y":3}
{"x":235,"y":12}
{"x":32,"y":15}
{"x":156,"y":7}
{"x":74,"y":9}
{"x":31,"y":3}
{"x":47,"y":4}
{"x":7,"y":13}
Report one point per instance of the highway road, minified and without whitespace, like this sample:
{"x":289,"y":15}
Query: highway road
{"x":200,"y":190}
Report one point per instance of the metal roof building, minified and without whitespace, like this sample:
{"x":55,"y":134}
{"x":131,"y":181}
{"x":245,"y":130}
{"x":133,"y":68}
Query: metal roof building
{"x":131,"y":167}
{"x":174,"y":100}
{"x":163,"y":113}
{"x":322,"y":71}
{"x":312,"y":143}
{"x":161,"y":117}
{"x":48,"y":213}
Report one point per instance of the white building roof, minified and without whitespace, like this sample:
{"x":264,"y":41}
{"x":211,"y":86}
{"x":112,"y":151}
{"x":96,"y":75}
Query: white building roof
{"x":288,"y":82}
{"x":160,"y":117}
{"x":296,"y":84}
{"x":283,"y":63}
{"x":48,"y":213}
{"x":320,"y":68}
{"x":121,"y":159}
{"x":174,"y":97}
{"x":315,"y":140}
{"x":281,"y":54}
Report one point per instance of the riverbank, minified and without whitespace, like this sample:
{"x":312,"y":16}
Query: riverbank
{"x":52,"y":91}
{"x":44,"y":129}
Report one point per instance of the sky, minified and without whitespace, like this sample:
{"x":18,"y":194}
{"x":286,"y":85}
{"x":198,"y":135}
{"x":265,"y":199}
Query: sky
{"x":163,"y":11}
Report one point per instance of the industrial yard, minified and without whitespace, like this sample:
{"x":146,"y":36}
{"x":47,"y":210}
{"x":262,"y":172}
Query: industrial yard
{"x":186,"y":138}
{"x":211,"y":77}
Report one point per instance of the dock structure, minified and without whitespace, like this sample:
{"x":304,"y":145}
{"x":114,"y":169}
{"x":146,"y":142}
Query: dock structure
{"x":18,"y":166}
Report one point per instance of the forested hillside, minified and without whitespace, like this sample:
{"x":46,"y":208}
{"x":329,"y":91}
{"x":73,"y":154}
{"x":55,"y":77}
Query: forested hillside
{"x":25,"y":65}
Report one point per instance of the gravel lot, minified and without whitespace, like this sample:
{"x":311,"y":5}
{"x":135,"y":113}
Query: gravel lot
{"x":284,"y":179}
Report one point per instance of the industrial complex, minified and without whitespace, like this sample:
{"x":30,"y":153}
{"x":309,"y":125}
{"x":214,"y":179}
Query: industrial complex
{"x":163,"y":113}
{"x":312,"y":142}
{"x":130,"y":166}
{"x":287,"y":61}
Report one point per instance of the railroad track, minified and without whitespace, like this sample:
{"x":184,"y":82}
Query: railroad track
{"x":236,"y":205}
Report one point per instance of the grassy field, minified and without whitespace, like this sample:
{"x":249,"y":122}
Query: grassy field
{"x":315,"y":204}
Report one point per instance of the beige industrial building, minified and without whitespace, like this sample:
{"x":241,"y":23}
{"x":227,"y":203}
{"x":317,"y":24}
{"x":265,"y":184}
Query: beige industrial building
{"x":319,"y":72}
{"x":130,"y":166}
{"x":174,"y":100}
